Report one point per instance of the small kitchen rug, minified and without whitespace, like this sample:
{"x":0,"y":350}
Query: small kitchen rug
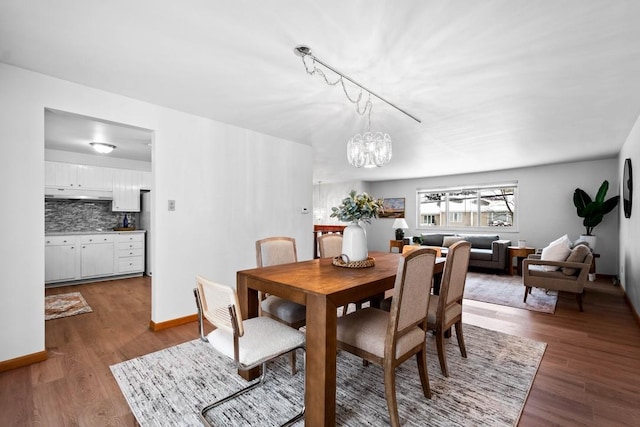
{"x":64,"y":305}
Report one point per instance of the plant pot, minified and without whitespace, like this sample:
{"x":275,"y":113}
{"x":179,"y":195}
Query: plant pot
{"x":591,"y":240}
{"x":354,"y":242}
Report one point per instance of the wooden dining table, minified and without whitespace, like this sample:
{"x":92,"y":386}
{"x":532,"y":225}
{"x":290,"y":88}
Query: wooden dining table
{"x":322,"y":287}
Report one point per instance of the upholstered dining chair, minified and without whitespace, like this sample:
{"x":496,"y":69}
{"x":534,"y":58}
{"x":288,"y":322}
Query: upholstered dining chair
{"x":408,"y":248}
{"x":445,"y":309}
{"x":275,"y":251}
{"x":391,"y":338}
{"x":330,"y":245}
{"x":241,"y":340}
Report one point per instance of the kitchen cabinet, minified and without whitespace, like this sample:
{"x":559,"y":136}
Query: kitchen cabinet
{"x":145,"y":180}
{"x":96,"y":255}
{"x":126,"y":191}
{"x":82,"y":257}
{"x":60,"y":254}
{"x":130,"y":249}
{"x":67,"y":175}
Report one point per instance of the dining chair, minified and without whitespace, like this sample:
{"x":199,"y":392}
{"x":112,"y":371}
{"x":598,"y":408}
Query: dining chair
{"x":241,"y":340}
{"x":445,"y":309}
{"x":330,"y":245}
{"x":275,"y":251}
{"x":391,"y":338}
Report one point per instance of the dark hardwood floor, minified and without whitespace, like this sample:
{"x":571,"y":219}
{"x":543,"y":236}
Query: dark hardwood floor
{"x":589,"y":376}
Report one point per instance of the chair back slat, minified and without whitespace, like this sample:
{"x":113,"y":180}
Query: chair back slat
{"x":216,"y":300}
{"x":275,"y":251}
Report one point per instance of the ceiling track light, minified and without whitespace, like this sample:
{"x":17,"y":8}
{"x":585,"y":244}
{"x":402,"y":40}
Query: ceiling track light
{"x":363,"y":150}
{"x":102,"y":148}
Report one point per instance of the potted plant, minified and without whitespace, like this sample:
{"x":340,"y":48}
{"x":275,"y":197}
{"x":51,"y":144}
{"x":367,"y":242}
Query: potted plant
{"x":593,"y":211}
{"x":353,"y":209}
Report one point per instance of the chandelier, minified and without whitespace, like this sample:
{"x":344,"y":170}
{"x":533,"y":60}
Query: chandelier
{"x":369,"y":149}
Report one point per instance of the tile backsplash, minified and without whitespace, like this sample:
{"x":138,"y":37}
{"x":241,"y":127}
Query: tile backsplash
{"x":83,"y":215}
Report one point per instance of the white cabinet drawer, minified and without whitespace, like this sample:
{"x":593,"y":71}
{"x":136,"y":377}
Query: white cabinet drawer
{"x":59,"y":240}
{"x":123,"y":253}
{"x":129,"y":265}
{"x":96,"y":238}
{"x":133,"y":237}
{"x":129,"y":245}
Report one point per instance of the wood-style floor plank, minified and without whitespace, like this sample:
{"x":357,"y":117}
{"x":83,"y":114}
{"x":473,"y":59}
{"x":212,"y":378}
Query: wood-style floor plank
{"x":589,"y":375}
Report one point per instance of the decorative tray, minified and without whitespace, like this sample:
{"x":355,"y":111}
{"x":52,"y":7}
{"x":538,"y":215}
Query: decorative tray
{"x":343,"y":261}
{"x":124,"y":228}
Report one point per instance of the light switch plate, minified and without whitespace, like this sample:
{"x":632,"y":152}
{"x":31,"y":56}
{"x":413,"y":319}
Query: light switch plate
{"x":172,"y":205}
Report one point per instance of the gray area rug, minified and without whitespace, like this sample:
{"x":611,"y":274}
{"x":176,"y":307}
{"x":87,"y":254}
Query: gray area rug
{"x":65,"y":305}
{"x":488,"y":388}
{"x":508,"y":290}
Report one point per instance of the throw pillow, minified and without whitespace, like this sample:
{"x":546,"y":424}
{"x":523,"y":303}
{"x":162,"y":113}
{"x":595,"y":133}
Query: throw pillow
{"x":450,"y":240}
{"x":556,"y":252}
{"x":564,"y":239}
{"x":578,"y":254}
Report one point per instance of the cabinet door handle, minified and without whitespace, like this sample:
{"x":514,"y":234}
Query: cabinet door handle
{"x":64,"y":241}
{"x":91,"y":240}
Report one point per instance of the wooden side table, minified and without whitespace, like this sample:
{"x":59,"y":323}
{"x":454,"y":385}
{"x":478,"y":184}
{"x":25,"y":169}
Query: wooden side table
{"x":520,"y":254}
{"x":399,"y":244}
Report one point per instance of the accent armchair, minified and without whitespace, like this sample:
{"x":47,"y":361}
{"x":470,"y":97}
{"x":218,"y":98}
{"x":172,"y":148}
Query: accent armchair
{"x":566,"y":276}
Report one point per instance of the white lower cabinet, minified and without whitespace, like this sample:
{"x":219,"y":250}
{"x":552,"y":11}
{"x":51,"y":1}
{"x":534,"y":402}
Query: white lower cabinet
{"x":60,"y":254}
{"x":82,"y":257}
{"x":130,"y":253}
{"x":97,"y":254}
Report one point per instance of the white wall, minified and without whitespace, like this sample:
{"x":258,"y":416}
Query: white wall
{"x":231,"y":186}
{"x":545,"y":204}
{"x":630,"y":227}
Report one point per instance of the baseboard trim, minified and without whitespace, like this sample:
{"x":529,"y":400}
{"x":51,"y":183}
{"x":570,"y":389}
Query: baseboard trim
{"x":155,"y":327}
{"x":19,"y":362}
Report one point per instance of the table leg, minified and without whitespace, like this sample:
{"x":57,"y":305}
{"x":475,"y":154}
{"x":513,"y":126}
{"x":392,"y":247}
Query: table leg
{"x":248,"y":299}
{"x":320,"y":370}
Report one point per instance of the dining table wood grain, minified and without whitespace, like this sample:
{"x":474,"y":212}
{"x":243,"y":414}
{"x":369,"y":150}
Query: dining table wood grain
{"x":322,"y":287}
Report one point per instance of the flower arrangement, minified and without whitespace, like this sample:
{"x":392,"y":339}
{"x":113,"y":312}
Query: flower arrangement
{"x":358,"y":207}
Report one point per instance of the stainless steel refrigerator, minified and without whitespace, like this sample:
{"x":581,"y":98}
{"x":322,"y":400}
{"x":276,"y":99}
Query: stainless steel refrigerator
{"x":145,"y":224}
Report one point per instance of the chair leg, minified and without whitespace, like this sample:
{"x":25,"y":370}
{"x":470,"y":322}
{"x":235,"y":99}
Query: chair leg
{"x":421,"y":358}
{"x":527,"y":289}
{"x":390,"y":393}
{"x":441,"y":353}
{"x":579,"y":299}
{"x":292,"y":360}
{"x":463,"y":349}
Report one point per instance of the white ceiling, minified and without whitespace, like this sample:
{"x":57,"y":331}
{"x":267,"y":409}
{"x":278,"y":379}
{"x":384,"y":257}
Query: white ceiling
{"x":497,"y":84}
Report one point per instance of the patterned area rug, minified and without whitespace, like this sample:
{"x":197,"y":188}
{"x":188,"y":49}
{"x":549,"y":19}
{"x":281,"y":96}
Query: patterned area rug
{"x":489,"y":387}
{"x":508,"y":290}
{"x":64,"y":305}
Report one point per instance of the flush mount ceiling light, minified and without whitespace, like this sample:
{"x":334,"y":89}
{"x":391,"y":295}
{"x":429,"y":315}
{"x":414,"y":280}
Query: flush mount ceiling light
{"x":102,"y":147}
{"x":370,"y":149}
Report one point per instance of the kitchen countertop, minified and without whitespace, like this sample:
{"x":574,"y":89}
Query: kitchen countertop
{"x":78,"y":233}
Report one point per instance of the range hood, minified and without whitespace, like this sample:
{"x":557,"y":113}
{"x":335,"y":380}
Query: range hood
{"x":76,"y":194}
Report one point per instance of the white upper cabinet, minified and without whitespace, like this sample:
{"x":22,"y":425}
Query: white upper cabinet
{"x":94,"y":177}
{"x":67,"y":175}
{"x":126,"y":190}
{"x":145,"y":180}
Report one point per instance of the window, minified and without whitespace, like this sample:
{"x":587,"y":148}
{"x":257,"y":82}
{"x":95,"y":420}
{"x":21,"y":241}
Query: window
{"x":468,"y":207}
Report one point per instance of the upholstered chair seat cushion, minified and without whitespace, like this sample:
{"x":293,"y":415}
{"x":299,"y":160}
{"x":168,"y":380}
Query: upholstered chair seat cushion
{"x":452,"y":312}
{"x":366,"y":329}
{"x":263,"y":337}
{"x":286,"y":310}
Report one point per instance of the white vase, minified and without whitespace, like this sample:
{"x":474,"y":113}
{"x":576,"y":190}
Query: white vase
{"x":354,"y":242}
